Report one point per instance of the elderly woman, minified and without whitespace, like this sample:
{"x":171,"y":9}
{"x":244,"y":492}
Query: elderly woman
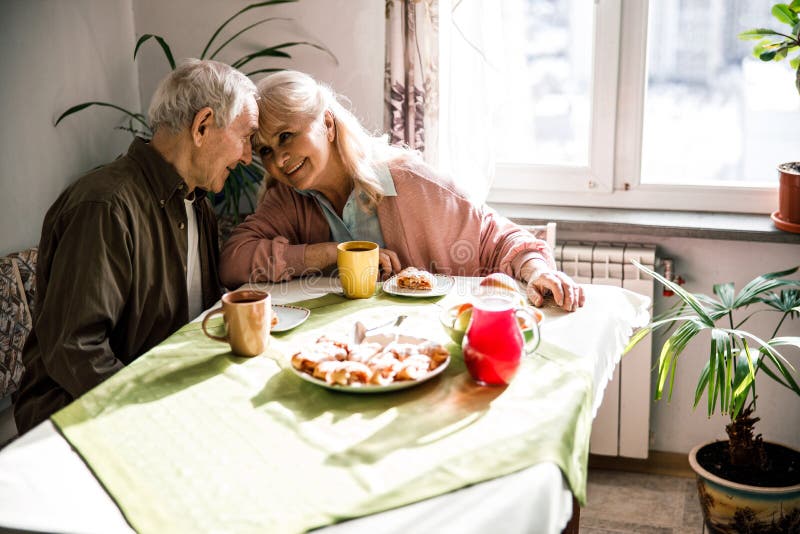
{"x":330,"y":181}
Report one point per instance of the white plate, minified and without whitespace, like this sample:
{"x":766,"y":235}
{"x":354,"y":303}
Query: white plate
{"x":369,"y":388}
{"x":382,"y":339}
{"x":441,"y":286}
{"x":288,"y":317}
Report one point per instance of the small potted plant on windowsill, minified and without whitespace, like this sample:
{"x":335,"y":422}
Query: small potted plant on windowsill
{"x":775,"y":46}
{"x":744,"y":484}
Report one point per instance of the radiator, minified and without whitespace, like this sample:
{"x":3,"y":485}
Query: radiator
{"x":622,"y":424}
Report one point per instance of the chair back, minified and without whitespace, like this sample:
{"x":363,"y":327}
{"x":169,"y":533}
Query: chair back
{"x":545,"y":232}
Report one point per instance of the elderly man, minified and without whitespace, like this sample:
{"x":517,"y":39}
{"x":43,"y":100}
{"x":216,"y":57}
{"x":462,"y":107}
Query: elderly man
{"x":128,"y":253}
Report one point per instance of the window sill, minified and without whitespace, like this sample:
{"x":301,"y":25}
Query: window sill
{"x":689,"y":224}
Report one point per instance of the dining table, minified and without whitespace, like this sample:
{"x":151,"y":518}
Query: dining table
{"x":191,"y":438}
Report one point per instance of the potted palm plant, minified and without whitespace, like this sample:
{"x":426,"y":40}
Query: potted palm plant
{"x":745,"y":484}
{"x":244,"y":179}
{"x":774,"y":45}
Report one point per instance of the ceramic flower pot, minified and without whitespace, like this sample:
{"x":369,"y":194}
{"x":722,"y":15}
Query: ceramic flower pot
{"x":788,"y":215}
{"x":730,"y":507}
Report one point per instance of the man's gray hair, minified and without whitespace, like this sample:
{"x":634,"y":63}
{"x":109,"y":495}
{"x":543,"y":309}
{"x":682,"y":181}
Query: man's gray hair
{"x":196,"y":84}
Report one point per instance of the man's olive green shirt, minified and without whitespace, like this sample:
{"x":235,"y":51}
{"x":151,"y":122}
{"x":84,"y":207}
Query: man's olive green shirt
{"x":111,"y":278}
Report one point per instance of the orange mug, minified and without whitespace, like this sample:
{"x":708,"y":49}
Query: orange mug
{"x":248,"y":315}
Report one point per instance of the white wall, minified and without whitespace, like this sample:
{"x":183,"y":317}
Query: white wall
{"x":54,"y":55}
{"x":353,"y":30}
{"x":702,"y":263}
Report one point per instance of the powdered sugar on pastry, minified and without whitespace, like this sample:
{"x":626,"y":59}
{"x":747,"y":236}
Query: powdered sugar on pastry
{"x":340,"y":363}
{"x":413,"y":278}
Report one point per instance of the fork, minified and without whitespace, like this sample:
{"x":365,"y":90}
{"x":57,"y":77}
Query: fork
{"x":360,"y":330}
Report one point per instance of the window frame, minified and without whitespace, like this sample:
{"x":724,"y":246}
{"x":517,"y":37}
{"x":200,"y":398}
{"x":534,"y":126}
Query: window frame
{"x":613,"y":176}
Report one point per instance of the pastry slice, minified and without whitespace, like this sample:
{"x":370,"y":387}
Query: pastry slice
{"x":413,"y":278}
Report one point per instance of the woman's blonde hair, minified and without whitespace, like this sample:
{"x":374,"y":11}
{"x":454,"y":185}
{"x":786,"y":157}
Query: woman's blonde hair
{"x":288,"y":95}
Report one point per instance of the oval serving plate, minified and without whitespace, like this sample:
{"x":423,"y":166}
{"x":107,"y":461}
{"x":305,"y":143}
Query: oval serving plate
{"x":442,"y":285}
{"x":369,"y":388}
{"x":289,"y":316}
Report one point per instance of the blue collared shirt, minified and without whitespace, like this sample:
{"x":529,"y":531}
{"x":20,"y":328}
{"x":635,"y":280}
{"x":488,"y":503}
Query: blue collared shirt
{"x":355,"y":224}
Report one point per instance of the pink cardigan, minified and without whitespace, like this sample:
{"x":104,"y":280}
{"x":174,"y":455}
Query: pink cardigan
{"x":430,"y":224}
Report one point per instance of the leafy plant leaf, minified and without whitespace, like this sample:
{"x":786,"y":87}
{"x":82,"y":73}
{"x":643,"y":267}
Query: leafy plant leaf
{"x":767,"y":56}
{"x":761,"y":284}
{"x":744,"y":372}
{"x":161,"y":41}
{"x":260,"y":71}
{"x":708,"y":378}
{"x":710,"y":302}
{"x":672,"y":349}
{"x":726,"y":293}
{"x":781,"y":364}
{"x":684,"y":295}
{"x":278,"y":51}
{"x":243,"y":10}
{"x":74,"y":109}
{"x":273,"y":51}
{"x":240,"y":32}
{"x":797,"y":79}
{"x":756,"y":33}
{"x":784,"y":14}
{"x":786,"y":301}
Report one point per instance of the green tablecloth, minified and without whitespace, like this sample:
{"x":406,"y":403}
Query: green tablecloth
{"x":190,"y":438}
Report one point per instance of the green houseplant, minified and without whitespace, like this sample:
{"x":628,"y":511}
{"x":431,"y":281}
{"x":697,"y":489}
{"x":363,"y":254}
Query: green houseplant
{"x":243,"y":181}
{"x":736,"y":358}
{"x":774,"y":45}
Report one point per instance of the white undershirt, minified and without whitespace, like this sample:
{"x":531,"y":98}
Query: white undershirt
{"x":193,"y":275}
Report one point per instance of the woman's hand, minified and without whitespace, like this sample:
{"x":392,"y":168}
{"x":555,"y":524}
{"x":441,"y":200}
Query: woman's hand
{"x":388,"y":263}
{"x":320,"y":256}
{"x":324,"y":255}
{"x":544,"y":281}
{"x":566,"y":293}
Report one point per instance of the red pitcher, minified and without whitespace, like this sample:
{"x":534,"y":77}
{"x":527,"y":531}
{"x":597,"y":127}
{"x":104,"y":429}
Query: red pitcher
{"x":493,"y":344}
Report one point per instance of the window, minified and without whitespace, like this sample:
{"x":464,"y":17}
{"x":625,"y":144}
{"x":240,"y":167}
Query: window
{"x":629,"y":103}
{"x":556,"y":121}
{"x":732,"y":117}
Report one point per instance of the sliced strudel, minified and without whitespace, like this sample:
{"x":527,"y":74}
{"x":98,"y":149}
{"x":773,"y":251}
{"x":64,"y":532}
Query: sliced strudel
{"x":413,"y":278}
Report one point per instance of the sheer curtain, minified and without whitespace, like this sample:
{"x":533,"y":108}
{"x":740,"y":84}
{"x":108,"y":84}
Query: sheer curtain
{"x":473,"y":63}
{"x":450,"y":58}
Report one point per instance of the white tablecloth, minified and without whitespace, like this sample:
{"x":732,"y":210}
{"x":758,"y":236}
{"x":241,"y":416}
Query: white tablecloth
{"x":45,"y":486}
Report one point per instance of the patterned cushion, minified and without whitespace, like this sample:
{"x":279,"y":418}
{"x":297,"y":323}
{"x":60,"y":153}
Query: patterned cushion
{"x":15,"y":325}
{"x":26,"y":264}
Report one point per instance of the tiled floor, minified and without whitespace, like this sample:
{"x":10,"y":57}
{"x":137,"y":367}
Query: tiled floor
{"x":632,"y":503}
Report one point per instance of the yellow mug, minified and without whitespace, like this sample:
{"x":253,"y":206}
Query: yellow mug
{"x":358,"y":268}
{"x":248,"y":317}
